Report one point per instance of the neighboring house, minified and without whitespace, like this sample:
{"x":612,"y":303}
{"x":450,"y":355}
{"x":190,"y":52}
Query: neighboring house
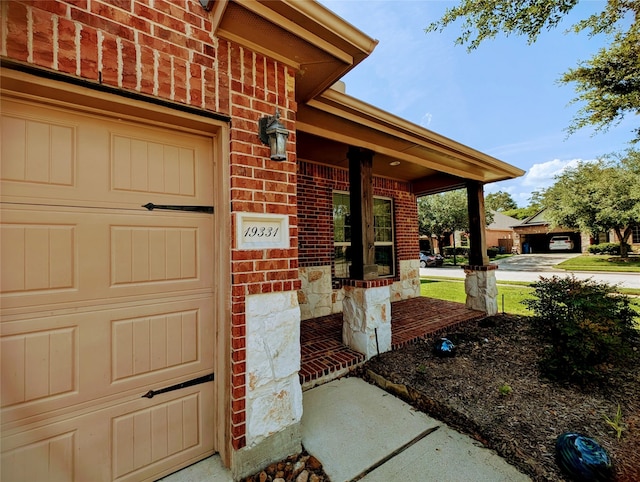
{"x":533,"y":234}
{"x":612,"y":237}
{"x":500,"y":233}
{"x":158,"y":258}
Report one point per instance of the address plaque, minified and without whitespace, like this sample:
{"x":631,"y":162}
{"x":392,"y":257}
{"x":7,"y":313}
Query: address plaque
{"x":262,"y":231}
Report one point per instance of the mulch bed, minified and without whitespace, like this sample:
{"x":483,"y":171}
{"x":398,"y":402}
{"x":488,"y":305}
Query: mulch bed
{"x":523,"y":421}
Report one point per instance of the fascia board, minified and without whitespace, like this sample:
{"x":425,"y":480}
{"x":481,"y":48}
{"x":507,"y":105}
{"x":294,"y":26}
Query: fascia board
{"x":356,"y":110}
{"x":335,"y":24}
{"x":267,"y":13}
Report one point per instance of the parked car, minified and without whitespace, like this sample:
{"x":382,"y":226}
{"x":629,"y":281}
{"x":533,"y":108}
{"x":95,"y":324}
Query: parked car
{"x":430,"y":260}
{"x":561,"y":243}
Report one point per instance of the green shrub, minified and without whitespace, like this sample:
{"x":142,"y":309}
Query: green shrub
{"x":493,"y":252}
{"x":605,"y":248}
{"x":587,"y":328}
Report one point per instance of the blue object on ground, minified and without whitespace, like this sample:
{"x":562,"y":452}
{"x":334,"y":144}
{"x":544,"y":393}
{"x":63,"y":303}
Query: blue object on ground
{"x":582,"y":458}
{"x":444,"y":348}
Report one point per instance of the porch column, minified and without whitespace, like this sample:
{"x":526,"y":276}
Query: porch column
{"x":477,"y":224}
{"x":366,"y":307}
{"x":366,"y":325}
{"x":363,"y":265}
{"x":480,"y":281}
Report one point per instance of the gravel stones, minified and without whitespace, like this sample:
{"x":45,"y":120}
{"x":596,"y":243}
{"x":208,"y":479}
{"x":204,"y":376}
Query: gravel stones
{"x":295,"y":468}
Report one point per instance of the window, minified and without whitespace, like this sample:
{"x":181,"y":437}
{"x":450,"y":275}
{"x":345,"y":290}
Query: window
{"x":635,"y":234}
{"x":383,"y":233}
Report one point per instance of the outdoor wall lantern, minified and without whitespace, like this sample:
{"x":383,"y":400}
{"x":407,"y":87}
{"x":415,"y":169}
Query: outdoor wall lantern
{"x":273,"y":134}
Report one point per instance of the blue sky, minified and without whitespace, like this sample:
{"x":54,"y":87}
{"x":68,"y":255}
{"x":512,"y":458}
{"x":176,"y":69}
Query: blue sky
{"x":503,"y":98}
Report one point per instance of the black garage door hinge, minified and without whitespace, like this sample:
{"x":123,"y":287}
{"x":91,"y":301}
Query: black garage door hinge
{"x":188,"y":383}
{"x":193,"y":209}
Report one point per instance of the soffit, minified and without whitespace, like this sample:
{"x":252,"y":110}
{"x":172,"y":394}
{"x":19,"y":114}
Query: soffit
{"x":304,"y":35}
{"x":330,"y":123}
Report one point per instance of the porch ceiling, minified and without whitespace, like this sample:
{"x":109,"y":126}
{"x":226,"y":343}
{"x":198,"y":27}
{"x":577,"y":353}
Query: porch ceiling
{"x":304,"y":35}
{"x":329,"y":124}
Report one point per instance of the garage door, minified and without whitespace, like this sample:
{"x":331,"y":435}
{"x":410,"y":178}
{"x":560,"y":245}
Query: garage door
{"x":104,"y":301}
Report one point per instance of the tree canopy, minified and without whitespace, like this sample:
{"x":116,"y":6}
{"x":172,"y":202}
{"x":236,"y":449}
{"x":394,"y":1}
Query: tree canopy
{"x":535,"y":206}
{"x":598,"y":196}
{"x":607,"y":85}
{"x":522,"y":213}
{"x":441,"y":214}
{"x":500,"y":201}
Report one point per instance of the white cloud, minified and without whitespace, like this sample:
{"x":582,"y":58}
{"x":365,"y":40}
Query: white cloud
{"x":504,"y":186}
{"x":514,"y":188}
{"x":541,"y":176}
{"x":426,"y":120}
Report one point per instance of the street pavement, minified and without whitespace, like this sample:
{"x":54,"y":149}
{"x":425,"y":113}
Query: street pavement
{"x":530,"y":267}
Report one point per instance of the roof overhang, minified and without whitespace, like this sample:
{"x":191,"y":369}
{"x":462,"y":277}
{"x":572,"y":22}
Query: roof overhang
{"x":320,"y":46}
{"x":333,"y":121}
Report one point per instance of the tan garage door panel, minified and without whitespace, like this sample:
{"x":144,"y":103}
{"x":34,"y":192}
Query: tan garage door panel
{"x":53,"y":255}
{"x":72,"y":361}
{"x":102,"y":300}
{"x":148,"y":437}
{"x":62,"y":157}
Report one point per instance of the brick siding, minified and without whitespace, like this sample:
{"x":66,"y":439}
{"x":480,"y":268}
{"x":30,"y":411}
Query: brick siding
{"x":316,"y":184}
{"x":165,"y":49}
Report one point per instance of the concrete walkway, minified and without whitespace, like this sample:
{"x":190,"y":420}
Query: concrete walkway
{"x":207,"y":470}
{"x":360,"y":432}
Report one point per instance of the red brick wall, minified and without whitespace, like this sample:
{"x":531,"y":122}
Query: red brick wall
{"x":316,"y":184}
{"x":258,"y":185}
{"x":494,"y":235}
{"x":165,"y":49}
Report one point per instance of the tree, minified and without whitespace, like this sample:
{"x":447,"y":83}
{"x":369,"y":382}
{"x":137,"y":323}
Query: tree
{"x":521,"y":213}
{"x":534,"y":207}
{"x":597,"y":197}
{"x":608,"y":84}
{"x":500,"y":201}
{"x":439,"y":215}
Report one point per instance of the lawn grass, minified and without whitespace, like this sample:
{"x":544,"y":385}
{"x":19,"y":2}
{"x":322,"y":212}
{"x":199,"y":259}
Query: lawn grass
{"x":462,"y":260}
{"x":600,"y":262}
{"x":454,"y":291}
{"x":506,"y":283}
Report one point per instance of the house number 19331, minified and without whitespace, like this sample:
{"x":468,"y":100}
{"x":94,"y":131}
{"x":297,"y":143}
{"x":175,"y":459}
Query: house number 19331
{"x":262,"y":231}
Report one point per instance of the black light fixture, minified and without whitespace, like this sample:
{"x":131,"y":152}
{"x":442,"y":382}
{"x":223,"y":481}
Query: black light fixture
{"x":207,"y":4}
{"x":273,"y":134}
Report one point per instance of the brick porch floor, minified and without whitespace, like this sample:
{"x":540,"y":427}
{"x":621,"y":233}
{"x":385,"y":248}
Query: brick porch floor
{"x":324,"y":357}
